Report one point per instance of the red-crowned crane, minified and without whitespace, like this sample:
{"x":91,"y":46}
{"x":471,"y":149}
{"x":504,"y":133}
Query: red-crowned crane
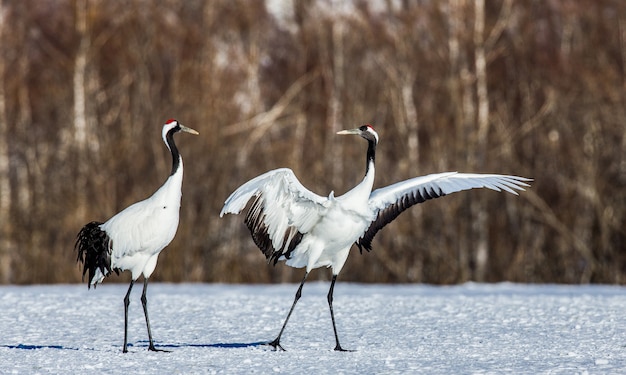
{"x":292,"y":224}
{"x":133,"y":239}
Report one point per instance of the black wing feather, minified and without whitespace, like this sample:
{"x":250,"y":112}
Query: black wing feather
{"x":256,"y":224}
{"x":93,"y":246}
{"x":389,"y":213}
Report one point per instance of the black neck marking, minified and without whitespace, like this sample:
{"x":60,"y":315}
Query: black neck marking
{"x":173,"y":149}
{"x":371,"y":154}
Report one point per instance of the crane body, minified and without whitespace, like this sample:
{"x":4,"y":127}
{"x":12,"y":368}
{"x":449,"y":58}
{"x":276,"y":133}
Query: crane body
{"x":292,"y":224}
{"x":133,"y":238}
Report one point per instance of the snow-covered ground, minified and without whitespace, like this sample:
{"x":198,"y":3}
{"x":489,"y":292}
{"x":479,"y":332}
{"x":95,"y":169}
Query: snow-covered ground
{"x":215,"y":328}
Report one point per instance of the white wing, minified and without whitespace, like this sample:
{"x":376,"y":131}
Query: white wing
{"x":282,"y":212}
{"x":391,"y":201}
{"x":142,"y":227}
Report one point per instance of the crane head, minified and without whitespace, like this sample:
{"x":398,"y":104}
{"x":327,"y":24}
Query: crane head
{"x":366,"y":131}
{"x":173,"y":124}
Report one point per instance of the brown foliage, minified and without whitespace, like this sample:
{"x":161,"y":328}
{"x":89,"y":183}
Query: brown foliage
{"x":535,"y":89}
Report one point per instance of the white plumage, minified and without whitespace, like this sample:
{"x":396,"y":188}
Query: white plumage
{"x":292,"y":224}
{"x":143,"y":229}
{"x":133,"y":239}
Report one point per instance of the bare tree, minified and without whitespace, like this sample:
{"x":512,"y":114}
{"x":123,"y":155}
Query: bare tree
{"x":6,"y":240}
{"x":529,"y":88}
{"x":83,"y":123}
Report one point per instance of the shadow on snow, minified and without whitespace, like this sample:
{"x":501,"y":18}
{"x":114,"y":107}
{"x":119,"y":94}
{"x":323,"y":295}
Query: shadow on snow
{"x":35,"y":347}
{"x":226,"y":345}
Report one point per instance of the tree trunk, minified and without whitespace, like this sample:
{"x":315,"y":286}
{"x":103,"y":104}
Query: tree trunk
{"x":479,"y":213}
{"x":81,"y":124}
{"x":6,"y":243}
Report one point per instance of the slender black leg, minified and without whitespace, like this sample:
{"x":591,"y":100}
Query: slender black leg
{"x":276,"y":342}
{"x":144,"y":302}
{"x":126,"y":303}
{"x":332,"y":314}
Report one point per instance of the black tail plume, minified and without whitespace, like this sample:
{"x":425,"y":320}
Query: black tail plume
{"x":93,"y":247}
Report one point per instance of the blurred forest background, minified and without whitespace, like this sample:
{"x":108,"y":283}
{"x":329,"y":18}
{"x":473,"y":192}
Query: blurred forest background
{"x":532,"y":88}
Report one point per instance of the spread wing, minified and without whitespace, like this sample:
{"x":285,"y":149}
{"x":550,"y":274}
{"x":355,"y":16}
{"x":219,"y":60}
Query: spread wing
{"x":391,"y":201}
{"x":283,"y":210}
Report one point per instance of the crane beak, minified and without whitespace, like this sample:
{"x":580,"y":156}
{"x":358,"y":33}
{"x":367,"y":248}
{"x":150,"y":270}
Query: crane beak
{"x":356,"y":131}
{"x":188,"y":130}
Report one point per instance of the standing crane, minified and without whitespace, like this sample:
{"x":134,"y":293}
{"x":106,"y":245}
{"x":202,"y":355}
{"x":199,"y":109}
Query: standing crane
{"x":292,"y":224}
{"x":133,"y":239}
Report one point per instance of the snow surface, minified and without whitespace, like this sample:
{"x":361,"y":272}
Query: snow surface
{"x":215,"y":328}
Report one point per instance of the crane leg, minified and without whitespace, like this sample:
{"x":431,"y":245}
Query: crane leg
{"x":276,"y":342}
{"x":126,"y":303}
{"x":144,"y":303}
{"x":332,"y":314}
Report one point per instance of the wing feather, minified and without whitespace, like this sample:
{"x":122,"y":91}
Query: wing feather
{"x":283,"y":210}
{"x":391,"y":201}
